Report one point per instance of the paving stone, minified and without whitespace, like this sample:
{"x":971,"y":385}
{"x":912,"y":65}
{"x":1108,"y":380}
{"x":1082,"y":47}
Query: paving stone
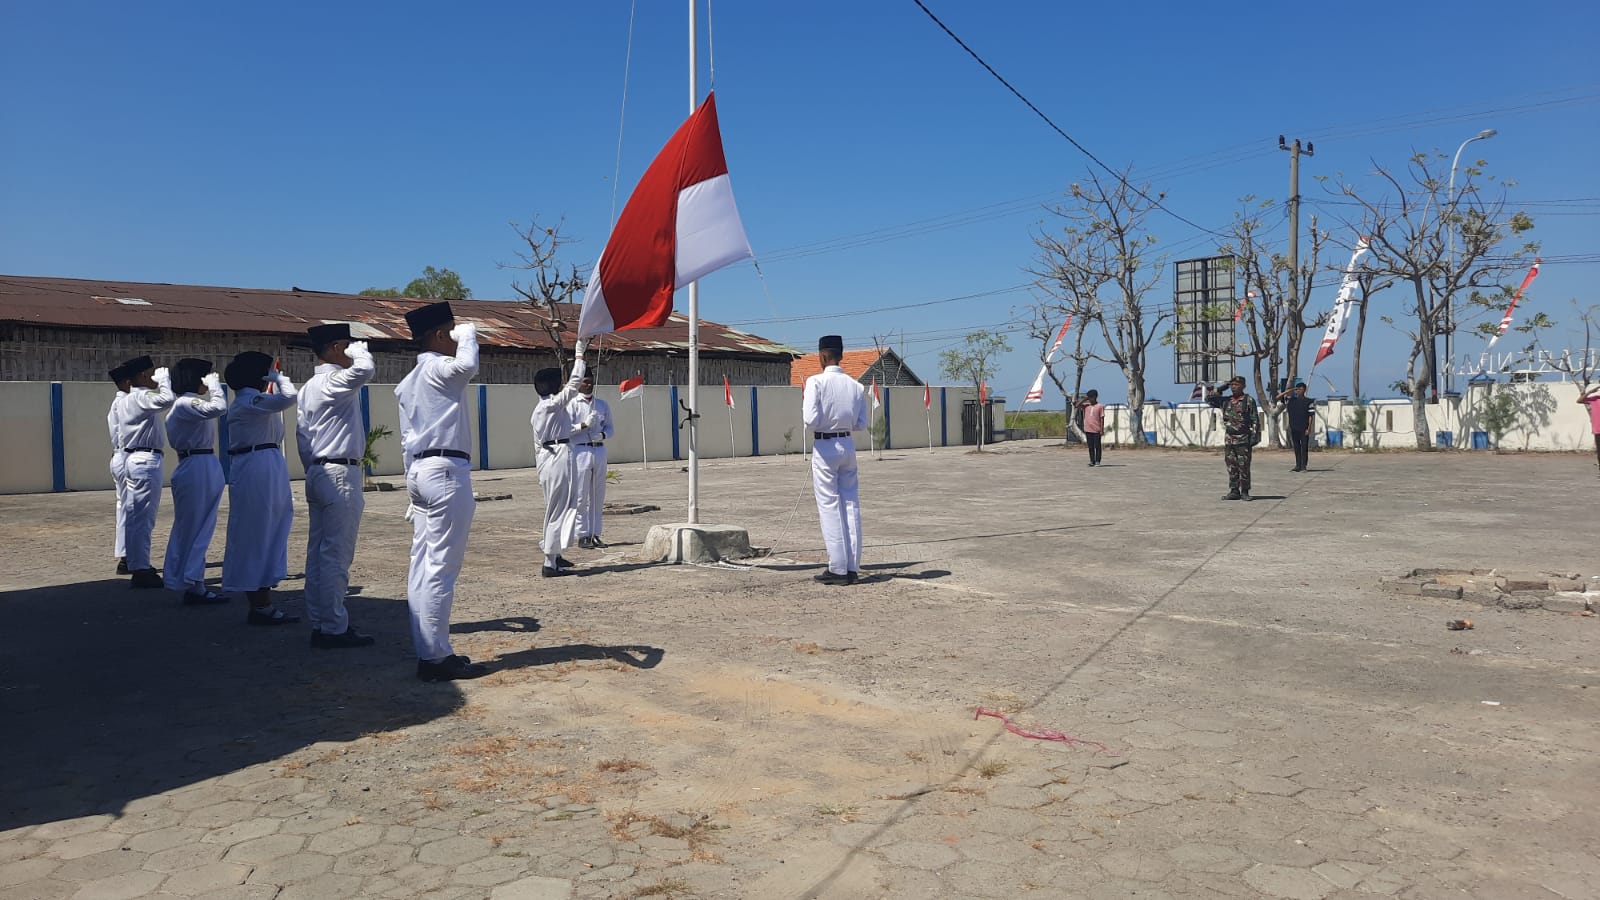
{"x":857,"y":834}
{"x":374,"y":860}
{"x":291,"y":869}
{"x":100,"y":865}
{"x":316,"y":823}
{"x":453,"y":851}
{"x":1135,"y":865}
{"x":1342,"y":873}
{"x":51,"y":831}
{"x":42,"y":889}
{"x":85,"y":844}
{"x":980,"y":879}
{"x":609,"y":873}
{"x":185,"y":856}
{"x":207,"y":878}
{"x":1200,"y":857}
{"x":164,"y":839}
{"x":493,"y":870}
{"x":920,"y":854}
{"x":26,"y":870}
{"x":535,"y":887}
{"x":1012,"y":796}
{"x":199,"y":797}
{"x":13,"y":849}
{"x":243,"y":831}
{"x":220,"y":814}
{"x":323,"y":887}
{"x":149,"y":820}
{"x":345,"y":839}
{"x":1287,"y":882}
{"x":119,"y":887}
{"x":242,"y":892}
{"x":265,"y":849}
{"x":1266,"y":784}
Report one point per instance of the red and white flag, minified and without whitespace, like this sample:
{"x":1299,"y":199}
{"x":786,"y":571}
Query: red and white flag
{"x":1198,"y":393}
{"x":1506,"y":322}
{"x":1036,"y":390}
{"x":679,"y":225}
{"x":632,"y":387}
{"x":1248,"y":296}
{"x":1060,"y":336}
{"x":927,"y":397}
{"x":876,"y":399}
{"x":727,"y":392}
{"x":1342,"y":305}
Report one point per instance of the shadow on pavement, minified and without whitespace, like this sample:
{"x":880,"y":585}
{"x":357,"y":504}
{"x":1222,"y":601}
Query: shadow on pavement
{"x":637,"y":656}
{"x":526,"y":624}
{"x":110,"y":694}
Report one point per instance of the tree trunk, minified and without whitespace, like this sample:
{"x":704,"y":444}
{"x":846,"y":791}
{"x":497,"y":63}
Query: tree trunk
{"x":1419,"y":399}
{"x":1136,"y":409}
{"x":1355,"y":360}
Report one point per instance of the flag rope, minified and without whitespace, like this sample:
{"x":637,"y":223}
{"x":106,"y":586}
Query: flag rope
{"x":627,"y":65}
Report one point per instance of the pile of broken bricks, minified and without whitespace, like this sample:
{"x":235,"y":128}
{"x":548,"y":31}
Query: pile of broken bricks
{"x":1568,"y":593}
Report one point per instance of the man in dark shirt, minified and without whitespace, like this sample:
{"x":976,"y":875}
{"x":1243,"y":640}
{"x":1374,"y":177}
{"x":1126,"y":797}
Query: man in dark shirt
{"x":1302,"y":413}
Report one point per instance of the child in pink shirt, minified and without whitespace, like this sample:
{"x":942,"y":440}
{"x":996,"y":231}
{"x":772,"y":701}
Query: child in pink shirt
{"x":1094,"y":423}
{"x":1591,"y":398}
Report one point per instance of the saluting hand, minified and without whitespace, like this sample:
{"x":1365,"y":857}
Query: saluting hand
{"x":462,"y":331}
{"x":213,"y":382}
{"x":358,"y":350}
{"x":163,"y":377}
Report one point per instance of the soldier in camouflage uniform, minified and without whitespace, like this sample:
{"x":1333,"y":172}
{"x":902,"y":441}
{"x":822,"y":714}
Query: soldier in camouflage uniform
{"x":1242,"y":425}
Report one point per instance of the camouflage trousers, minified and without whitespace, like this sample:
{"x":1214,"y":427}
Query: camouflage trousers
{"x":1237,"y":458}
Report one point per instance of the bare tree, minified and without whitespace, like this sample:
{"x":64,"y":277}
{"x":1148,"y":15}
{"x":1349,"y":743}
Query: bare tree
{"x":1413,"y":225}
{"x":1070,"y":292}
{"x":973,"y":361}
{"x":1101,"y":251}
{"x":551,"y":286}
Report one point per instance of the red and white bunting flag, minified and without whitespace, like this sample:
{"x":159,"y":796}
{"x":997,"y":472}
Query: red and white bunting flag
{"x":927,"y":396}
{"x":1248,"y":296}
{"x":679,"y":225}
{"x":632,"y":387}
{"x":1198,"y":392}
{"x":1342,"y":305}
{"x":1506,"y":322}
{"x":1036,"y":390}
{"x":727,"y":392}
{"x":876,"y":399}
{"x":1060,"y":336}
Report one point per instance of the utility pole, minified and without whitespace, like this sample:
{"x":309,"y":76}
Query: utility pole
{"x":1294,"y":151}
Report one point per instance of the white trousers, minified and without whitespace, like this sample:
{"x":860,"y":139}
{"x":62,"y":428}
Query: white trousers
{"x":335,"y":501}
{"x":141,"y":497}
{"x":556,"y":476}
{"x":119,"y":471}
{"x":589,"y":465}
{"x":835,"y":481}
{"x":260,"y":511}
{"x":441,"y":517}
{"x":196,"y":488}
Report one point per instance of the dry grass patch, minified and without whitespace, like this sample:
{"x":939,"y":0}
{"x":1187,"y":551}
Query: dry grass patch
{"x":432,"y":800}
{"x":993,"y":768}
{"x":842,"y":813}
{"x":808,"y":648}
{"x":666,"y":887}
{"x":489,"y":746}
{"x":620,"y":765}
{"x":969,"y":790}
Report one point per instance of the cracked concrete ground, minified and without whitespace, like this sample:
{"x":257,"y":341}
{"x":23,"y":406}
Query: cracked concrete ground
{"x":1276,"y":725}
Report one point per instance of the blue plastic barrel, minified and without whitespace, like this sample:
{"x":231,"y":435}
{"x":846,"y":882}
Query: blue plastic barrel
{"x":1480,"y":440}
{"x":1335,"y":438}
{"x":1149,"y":437}
{"x":1445,"y":439}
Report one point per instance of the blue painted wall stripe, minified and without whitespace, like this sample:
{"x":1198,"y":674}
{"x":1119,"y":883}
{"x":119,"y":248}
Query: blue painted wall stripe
{"x":888,"y":427}
{"x":366,"y":419}
{"x":944,"y":436}
{"x":483,"y":426}
{"x":672,"y":408}
{"x":755,"y":423}
{"x":58,"y":440}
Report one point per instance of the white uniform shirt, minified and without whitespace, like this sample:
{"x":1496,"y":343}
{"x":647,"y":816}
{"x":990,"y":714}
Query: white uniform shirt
{"x":551,"y":420}
{"x":433,"y":403}
{"x":140,"y":422}
{"x":189,"y":424}
{"x":255,"y":418}
{"x":114,"y":422}
{"x":581,"y":409}
{"x":330,"y":425}
{"x":833,"y":401}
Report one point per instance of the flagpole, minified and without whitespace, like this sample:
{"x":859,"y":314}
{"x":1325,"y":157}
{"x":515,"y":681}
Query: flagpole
{"x":644,"y":432}
{"x":694,"y":324}
{"x":733,"y":445}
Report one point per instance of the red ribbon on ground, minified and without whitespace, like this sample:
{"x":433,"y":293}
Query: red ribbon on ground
{"x":1045,"y":735}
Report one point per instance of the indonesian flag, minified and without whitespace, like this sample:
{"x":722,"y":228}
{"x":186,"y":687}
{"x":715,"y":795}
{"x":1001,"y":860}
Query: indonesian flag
{"x":632,"y":387}
{"x":727,"y":392}
{"x":1341,"y":305}
{"x":679,"y":225}
{"x":927,"y":396}
{"x":1506,"y":322}
{"x":1060,"y":336}
{"x":1248,"y":296}
{"x":983,"y":392}
{"x":876,"y":400}
{"x":1036,"y":391}
{"x":1198,"y":392}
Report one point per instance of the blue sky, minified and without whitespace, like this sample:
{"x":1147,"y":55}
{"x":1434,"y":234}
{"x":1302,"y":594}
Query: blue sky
{"x":342,"y":146}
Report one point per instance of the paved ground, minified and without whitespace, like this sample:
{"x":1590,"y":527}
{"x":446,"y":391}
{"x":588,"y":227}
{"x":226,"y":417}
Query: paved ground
{"x":1275,"y":725}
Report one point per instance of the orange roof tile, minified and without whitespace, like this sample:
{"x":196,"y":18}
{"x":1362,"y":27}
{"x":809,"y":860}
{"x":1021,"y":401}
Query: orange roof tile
{"x":855,"y":364}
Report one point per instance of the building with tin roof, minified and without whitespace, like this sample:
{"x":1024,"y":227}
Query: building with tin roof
{"x":866,"y":366}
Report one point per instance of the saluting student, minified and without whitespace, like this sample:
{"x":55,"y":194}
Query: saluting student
{"x":143,"y":440}
{"x":119,"y":469}
{"x":552,"y":436}
{"x":435,"y":438}
{"x":1302,"y":417}
{"x":332,"y":439}
{"x":592,"y":426}
{"x":260,"y":507}
{"x":834,"y":406}
{"x":1241,"y":426}
{"x":197,"y":481}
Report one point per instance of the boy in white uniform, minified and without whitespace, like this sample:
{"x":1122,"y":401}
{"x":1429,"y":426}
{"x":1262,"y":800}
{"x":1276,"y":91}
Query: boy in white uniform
{"x":834,"y":407}
{"x":552,"y":437}
{"x":592,"y":427}
{"x":143,"y":440}
{"x":260,"y":507}
{"x":197,"y":482}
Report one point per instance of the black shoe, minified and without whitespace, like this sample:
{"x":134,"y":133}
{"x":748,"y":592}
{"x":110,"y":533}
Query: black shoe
{"x":203,"y":598}
{"x":855,"y":577}
{"x":832,"y":578}
{"x":563,"y":563}
{"x":1245,"y":496}
{"x":595,"y":543}
{"x":451,"y":668}
{"x":350,"y":638}
{"x":1231,"y":495}
{"x":122,"y":565}
{"x":270,"y":615}
{"x":585,"y":544}
{"x":147,"y":578}
{"x":548,"y":572}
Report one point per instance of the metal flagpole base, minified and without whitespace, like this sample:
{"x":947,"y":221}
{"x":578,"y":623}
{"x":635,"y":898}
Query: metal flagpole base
{"x":682,"y":542}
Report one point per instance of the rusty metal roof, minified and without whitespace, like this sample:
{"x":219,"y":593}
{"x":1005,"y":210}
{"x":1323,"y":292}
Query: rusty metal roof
{"x":124,"y":305}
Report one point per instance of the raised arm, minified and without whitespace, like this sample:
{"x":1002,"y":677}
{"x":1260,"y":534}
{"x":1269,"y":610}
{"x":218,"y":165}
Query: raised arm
{"x":158,"y":399}
{"x":456,"y":371}
{"x":345,"y":382}
{"x":213,"y":404}
{"x":281,"y":400}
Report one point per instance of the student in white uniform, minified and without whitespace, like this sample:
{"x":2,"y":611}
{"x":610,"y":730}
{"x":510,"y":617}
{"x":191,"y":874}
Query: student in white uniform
{"x":197,"y":481}
{"x":332,"y":439}
{"x":260,"y":507}
{"x":592,"y":427}
{"x":436,"y":440}
{"x":119,"y":469}
{"x":552,"y":438}
{"x":144,"y":440}
{"x":833,"y":407}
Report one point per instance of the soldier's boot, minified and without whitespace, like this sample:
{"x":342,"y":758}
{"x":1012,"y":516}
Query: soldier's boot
{"x":1245,"y":495}
{"x":1231,"y":495}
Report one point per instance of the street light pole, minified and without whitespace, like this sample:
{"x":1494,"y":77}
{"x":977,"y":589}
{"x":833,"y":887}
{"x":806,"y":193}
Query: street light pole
{"x":1450,"y":301}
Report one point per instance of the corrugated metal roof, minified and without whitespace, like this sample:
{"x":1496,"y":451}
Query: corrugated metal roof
{"x":83,"y":303}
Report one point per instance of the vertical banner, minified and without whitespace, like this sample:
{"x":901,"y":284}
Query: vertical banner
{"x":1342,"y":305}
{"x":1506,"y":322}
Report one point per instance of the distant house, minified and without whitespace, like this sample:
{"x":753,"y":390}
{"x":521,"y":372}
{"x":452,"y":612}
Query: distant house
{"x":71,"y":329}
{"x":886,"y":367}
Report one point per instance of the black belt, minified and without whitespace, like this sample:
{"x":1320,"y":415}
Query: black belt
{"x":155,"y":450}
{"x":240,"y":451}
{"x":451,"y":454}
{"x":324,"y":460}
{"x":199,"y":451}
{"x":548,"y":444}
{"x":825,"y":435}
{"x":593,"y":444}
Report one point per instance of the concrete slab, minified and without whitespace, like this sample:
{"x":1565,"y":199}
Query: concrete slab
{"x":684,"y":543}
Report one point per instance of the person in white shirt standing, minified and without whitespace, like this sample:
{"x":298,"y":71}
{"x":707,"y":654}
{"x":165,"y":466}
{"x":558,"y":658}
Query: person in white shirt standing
{"x":260,"y":507}
{"x":197,"y":481}
{"x":592,"y":418}
{"x":552,"y":438}
{"x":119,"y":467}
{"x":435,"y":437}
{"x":833,"y":407}
{"x":332,"y":440}
{"x":143,"y":442}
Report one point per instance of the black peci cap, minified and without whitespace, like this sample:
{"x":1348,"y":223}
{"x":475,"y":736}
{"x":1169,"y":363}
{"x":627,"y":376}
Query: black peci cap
{"x":831,"y":342}
{"x":186,"y":375}
{"x":248,"y":370}
{"x":323,"y":335}
{"x":424,"y":319}
{"x":118,"y":374}
{"x":136,"y":365}
{"x":546,"y":381}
